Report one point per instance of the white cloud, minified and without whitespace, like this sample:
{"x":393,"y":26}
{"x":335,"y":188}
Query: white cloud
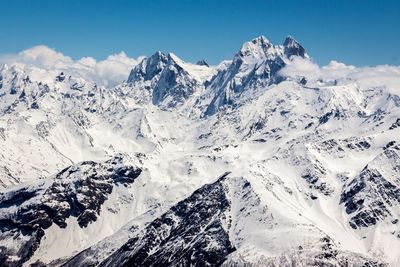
{"x":115,"y":67}
{"x":366,"y":77}
{"x":109,"y":72}
{"x":301,"y":67}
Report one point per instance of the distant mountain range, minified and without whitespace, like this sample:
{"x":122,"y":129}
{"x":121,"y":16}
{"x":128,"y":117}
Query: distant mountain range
{"x":263,"y":160}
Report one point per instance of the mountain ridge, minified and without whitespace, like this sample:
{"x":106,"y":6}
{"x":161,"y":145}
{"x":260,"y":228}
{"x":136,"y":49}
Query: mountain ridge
{"x":308,"y":165}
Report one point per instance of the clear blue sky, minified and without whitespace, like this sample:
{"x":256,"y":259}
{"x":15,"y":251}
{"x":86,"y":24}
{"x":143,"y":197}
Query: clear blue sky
{"x":358,"y":32}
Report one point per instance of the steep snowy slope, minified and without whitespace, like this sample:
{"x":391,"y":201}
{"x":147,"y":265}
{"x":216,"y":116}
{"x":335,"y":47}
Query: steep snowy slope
{"x":78,"y":191}
{"x":225,"y":222}
{"x":308,"y":165}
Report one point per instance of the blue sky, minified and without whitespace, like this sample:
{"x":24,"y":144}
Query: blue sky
{"x":357,"y":32}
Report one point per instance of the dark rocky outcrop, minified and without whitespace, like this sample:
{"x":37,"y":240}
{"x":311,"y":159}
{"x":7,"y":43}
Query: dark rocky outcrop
{"x":182,"y":236}
{"x":78,"y":191}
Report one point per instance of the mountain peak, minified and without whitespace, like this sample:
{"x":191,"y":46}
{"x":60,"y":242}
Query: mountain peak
{"x":258,"y":48}
{"x":289,"y":40}
{"x":149,"y":67}
{"x":202,"y":62}
{"x":167,"y":76}
{"x":158,"y":56}
{"x":260,"y":40}
{"x":293,"y":48}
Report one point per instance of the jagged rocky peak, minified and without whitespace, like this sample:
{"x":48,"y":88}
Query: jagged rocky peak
{"x":202,"y":62}
{"x":257,"y":49}
{"x":260,"y":49}
{"x":148,"y":67}
{"x":153,"y":66}
{"x":293,"y":48}
{"x":164,"y":78}
{"x":167,"y":81}
{"x":254,"y":66}
{"x":174,"y":86}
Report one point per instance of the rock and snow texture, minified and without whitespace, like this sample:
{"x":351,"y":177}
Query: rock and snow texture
{"x":78,"y":191}
{"x":213,"y":226}
{"x":256,"y":65}
{"x":308,"y":161}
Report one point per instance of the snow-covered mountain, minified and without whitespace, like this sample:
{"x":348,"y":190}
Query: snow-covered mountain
{"x":263,"y":160}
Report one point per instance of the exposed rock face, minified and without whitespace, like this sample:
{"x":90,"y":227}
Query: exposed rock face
{"x":203,"y":230}
{"x":168,"y":83}
{"x":190,"y":234}
{"x":255,"y":65}
{"x":293,"y":48}
{"x":202,"y":62}
{"x":77,"y":191}
{"x":375,"y":193}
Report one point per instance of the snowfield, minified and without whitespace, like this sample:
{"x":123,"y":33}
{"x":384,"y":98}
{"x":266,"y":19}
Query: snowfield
{"x":264,"y":160}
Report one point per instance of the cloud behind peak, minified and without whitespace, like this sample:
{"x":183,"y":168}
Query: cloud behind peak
{"x":108,"y":72}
